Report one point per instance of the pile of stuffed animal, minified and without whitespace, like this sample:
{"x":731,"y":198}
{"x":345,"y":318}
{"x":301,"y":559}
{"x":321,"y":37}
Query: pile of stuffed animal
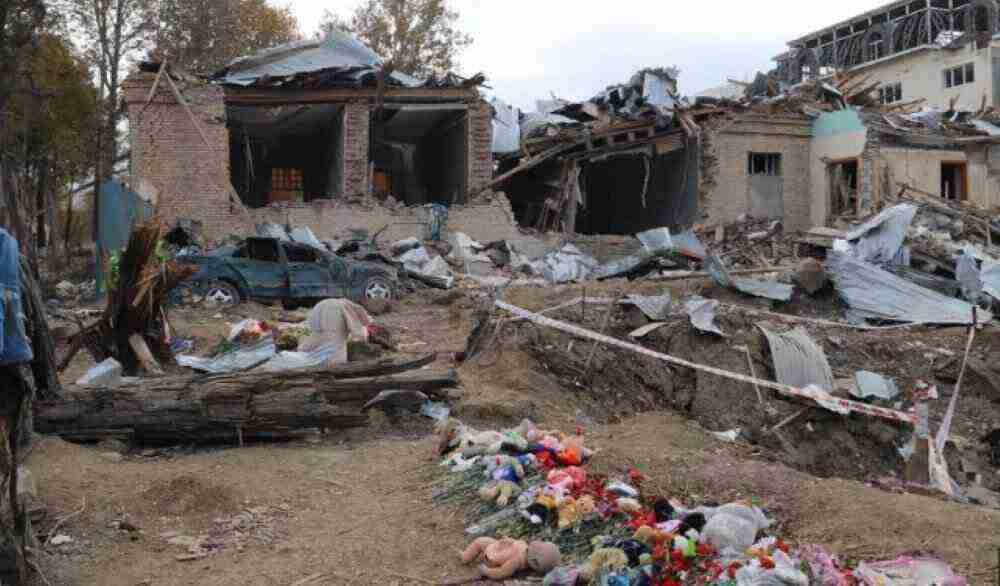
{"x":656,"y":542}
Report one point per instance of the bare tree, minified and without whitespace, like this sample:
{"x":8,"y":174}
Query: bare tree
{"x":112,"y":32}
{"x":418,"y":37}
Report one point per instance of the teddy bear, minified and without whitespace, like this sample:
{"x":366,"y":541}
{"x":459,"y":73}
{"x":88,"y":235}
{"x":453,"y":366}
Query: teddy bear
{"x":501,"y":559}
{"x":500,"y":492}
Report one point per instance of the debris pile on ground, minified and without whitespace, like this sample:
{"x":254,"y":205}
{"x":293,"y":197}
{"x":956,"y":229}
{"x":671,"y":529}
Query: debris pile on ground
{"x":133,"y":328}
{"x":538,"y":508}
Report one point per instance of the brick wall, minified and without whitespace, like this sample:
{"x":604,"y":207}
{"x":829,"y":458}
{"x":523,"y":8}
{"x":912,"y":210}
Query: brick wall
{"x":488,"y":220}
{"x":357,"y":128}
{"x":190,"y":177}
{"x":480,"y":144}
{"x":728,"y":194}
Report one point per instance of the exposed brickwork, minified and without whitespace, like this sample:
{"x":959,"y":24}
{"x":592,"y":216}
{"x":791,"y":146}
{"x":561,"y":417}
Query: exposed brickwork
{"x":489,"y":220}
{"x":729,"y":194}
{"x":480,"y":144}
{"x":190,"y":177}
{"x":357,"y":129}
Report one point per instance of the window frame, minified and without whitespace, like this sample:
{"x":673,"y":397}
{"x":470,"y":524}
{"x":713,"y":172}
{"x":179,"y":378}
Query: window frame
{"x":891,"y":93}
{"x":769,"y":163}
{"x":960,"y":75}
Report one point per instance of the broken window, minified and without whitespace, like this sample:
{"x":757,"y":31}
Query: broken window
{"x":961,"y":75}
{"x":420,"y":153}
{"x":284,"y":154}
{"x":954,"y":181}
{"x":764,"y":164}
{"x":891,"y":93}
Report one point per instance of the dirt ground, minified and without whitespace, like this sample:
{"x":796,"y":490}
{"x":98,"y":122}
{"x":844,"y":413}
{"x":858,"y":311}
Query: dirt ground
{"x":356,"y":507}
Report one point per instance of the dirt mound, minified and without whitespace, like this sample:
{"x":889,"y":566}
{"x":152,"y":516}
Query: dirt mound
{"x":609,"y":384}
{"x":189,"y":495}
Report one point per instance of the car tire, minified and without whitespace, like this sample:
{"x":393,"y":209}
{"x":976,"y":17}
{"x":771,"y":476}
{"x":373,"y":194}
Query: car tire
{"x":223,"y":293}
{"x":378,"y":288}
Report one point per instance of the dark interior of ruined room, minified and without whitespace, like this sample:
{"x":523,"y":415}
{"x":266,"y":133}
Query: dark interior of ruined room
{"x":420,"y":153}
{"x":286,"y":153}
{"x":624,"y":194}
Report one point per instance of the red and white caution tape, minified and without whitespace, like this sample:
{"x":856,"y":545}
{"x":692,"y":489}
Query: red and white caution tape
{"x":823,"y":398}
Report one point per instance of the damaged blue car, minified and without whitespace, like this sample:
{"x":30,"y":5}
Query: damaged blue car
{"x":271,"y":270}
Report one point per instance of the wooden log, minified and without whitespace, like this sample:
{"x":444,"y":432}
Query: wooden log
{"x":213,"y":408}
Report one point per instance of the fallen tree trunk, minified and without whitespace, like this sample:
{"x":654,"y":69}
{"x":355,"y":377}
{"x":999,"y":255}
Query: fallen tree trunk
{"x":223,"y":407}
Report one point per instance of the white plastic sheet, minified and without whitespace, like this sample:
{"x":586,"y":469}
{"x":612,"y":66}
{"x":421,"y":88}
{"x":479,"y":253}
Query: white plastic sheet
{"x":285,"y":361}
{"x":304,"y":235}
{"x":237,"y":360}
{"x":871,"y":384}
{"x":567,"y":265}
{"x":660,"y":240}
{"x":506,"y":128}
{"x":873,"y":293}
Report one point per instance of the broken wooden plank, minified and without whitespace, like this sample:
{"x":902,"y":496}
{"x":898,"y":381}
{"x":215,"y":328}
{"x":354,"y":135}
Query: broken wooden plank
{"x":536,"y":161}
{"x":144,"y":356}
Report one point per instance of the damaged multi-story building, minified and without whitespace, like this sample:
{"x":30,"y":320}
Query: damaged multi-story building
{"x":316,"y":134}
{"x":932,"y":72}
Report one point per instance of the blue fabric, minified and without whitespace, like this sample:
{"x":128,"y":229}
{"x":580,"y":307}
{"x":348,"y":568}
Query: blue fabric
{"x":14,"y":345}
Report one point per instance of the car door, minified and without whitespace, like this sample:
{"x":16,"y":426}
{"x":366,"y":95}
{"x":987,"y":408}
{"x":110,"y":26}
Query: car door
{"x":311,"y":274}
{"x":264,"y":268}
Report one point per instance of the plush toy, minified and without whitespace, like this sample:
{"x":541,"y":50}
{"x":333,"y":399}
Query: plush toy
{"x":627,"y":505}
{"x":502,"y":559}
{"x":586,"y":506}
{"x":500,"y":492}
{"x":602,"y":561}
{"x":568,"y":513}
{"x":505,"y":468}
{"x":567,"y":478}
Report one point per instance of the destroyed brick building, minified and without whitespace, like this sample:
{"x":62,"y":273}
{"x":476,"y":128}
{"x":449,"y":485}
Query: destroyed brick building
{"x":319,"y":134}
{"x":295,"y":133}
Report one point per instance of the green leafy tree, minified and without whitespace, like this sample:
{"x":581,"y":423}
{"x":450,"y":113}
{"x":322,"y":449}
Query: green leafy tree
{"x":418,"y":37}
{"x":53,"y":123}
{"x":205,"y":35}
{"x":20,"y":21}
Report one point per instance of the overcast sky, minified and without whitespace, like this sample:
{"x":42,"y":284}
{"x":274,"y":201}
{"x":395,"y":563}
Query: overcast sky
{"x":530,"y":49}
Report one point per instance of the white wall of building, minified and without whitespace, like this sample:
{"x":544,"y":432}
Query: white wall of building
{"x":922,"y":76}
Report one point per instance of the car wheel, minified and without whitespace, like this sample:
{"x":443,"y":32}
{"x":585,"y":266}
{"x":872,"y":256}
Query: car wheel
{"x":222,"y":293}
{"x":378,"y":288}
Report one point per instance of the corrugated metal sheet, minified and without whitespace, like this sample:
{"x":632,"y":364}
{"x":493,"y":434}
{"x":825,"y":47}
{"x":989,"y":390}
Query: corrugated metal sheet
{"x":338,"y":50}
{"x":765,"y":289}
{"x":873,"y":293}
{"x":879,"y":239}
{"x":798,"y":360}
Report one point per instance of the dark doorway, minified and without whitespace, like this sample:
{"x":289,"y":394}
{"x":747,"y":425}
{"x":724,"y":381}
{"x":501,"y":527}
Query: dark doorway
{"x":843,"y":179}
{"x":286,"y":154}
{"x":420,"y":153}
{"x":954,"y":181}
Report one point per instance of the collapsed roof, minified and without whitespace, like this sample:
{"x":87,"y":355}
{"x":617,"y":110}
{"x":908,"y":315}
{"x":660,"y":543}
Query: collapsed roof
{"x":337,"y":60}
